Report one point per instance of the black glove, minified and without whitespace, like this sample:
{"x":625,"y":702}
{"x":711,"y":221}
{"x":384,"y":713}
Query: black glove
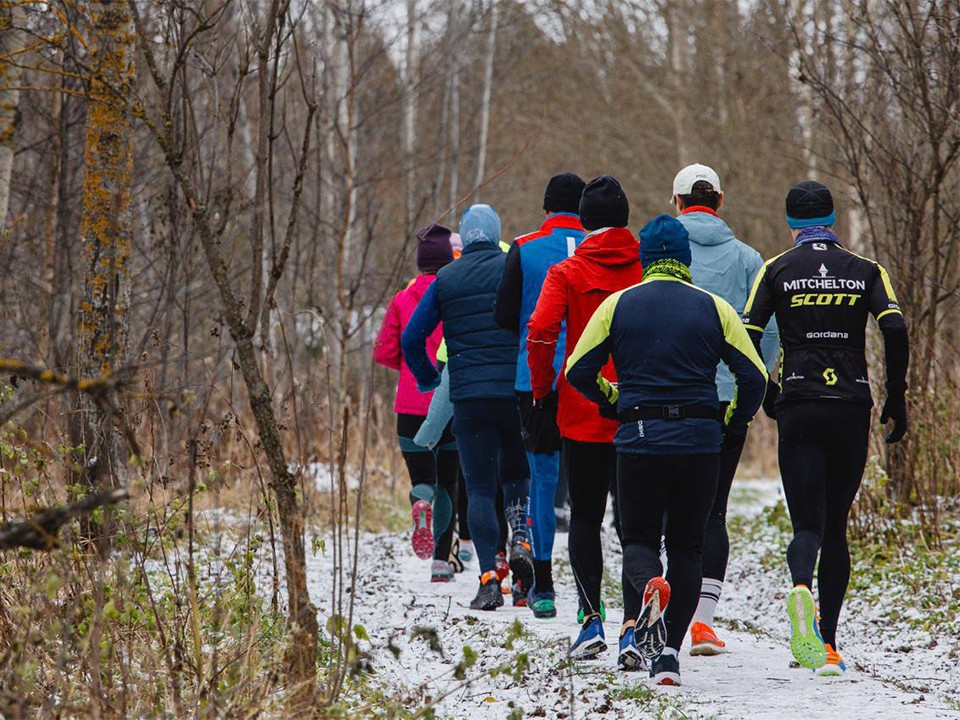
{"x":732,"y":439}
{"x":895,"y":408}
{"x":548,"y":403}
{"x":770,"y":399}
{"x":608,"y":410}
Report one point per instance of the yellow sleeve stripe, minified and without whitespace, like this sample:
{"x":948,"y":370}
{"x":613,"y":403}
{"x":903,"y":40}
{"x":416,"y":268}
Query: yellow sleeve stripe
{"x":596,"y":331}
{"x":887,"y":312}
{"x":735,"y":333}
{"x":887,"y":285}
{"x":756,"y":283}
{"x":884,"y":277}
{"x":753,"y":327}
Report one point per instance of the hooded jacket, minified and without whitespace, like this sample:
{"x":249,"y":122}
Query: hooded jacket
{"x":608,"y":260}
{"x":529,"y":259}
{"x":727,"y":267}
{"x":387,"y":350}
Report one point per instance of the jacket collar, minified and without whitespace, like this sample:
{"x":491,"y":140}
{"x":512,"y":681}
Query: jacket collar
{"x":480,"y":246}
{"x":567,"y":221}
{"x":700,"y":208}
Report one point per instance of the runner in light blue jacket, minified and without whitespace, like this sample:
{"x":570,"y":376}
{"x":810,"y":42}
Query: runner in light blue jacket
{"x":727,"y":267}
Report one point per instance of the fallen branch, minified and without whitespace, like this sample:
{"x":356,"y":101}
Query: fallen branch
{"x":39,"y":532}
{"x":99,"y":388}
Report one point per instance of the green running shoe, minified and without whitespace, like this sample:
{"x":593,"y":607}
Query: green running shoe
{"x":542,"y":603}
{"x":805,"y":642}
{"x":581,"y":614}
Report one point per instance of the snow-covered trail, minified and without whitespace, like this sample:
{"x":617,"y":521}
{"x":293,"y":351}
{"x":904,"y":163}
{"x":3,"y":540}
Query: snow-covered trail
{"x":418,"y":630}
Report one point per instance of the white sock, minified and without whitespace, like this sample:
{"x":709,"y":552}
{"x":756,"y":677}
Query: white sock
{"x":670,"y":651}
{"x":710,"y":590}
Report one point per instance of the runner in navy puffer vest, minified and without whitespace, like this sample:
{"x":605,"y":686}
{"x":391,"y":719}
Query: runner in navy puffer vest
{"x":482,"y":361}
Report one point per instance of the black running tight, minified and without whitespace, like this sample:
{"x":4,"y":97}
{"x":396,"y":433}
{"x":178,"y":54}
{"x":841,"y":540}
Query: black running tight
{"x":438,"y":468}
{"x":823,"y":450}
{"x":591,"y":470}
{"x":682,"y":487}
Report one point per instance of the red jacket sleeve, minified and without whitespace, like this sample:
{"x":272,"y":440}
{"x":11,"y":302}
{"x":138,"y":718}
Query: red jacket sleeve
{"x":543,"y":330}
{"x":386,"y":350}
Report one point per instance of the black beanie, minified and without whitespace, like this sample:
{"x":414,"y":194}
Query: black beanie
{"x":604,"y":204}
{"x":563,"y":193}
{"x":809,"y":203}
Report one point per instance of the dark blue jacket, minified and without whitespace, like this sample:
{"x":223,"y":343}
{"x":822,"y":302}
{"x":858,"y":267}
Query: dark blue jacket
{"x":666,"y":337}
{"x":482,"y":357}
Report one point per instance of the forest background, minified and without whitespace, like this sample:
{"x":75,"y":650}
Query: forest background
{"x":206,"y":206}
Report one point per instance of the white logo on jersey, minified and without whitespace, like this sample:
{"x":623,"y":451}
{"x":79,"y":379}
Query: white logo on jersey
{"x":822,"y":247}
{"x":823,"y":271}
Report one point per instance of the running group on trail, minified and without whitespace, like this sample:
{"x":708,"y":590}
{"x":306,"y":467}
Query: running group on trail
{"x":583,"y":361}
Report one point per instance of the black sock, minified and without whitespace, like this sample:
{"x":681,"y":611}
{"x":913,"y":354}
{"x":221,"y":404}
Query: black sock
{"x":543,"y":575}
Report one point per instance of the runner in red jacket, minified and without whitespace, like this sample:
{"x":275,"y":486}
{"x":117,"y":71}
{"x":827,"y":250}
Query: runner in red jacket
{"x":608,"y":260}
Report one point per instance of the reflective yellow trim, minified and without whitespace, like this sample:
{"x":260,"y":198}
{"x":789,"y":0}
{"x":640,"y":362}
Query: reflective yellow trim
{"x":756,"y":283}
{"x":884,"y":277}
{"x":753,"y":327}
{"x":887,"y":285}
{"x":887,"y":312}
{"x":735,"y":333}
{"x":442,"y":352}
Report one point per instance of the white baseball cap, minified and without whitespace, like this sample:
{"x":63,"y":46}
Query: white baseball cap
{"x":685,"y":179}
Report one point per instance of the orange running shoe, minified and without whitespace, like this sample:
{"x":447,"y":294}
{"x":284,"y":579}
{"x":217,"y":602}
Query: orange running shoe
{"x":650,"y":632}
{"x":834,"y":666}
{"x":704,"y":641}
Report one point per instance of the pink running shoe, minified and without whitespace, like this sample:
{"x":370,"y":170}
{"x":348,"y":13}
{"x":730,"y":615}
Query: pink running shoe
{"x":422,"y":539}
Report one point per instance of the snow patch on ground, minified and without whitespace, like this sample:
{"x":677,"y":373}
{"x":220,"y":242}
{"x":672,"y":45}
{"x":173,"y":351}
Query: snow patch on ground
{"x":418,"y":632}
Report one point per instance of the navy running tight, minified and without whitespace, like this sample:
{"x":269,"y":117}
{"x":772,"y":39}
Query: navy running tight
{"x":823,"y":450}
{"x":492,"y":455}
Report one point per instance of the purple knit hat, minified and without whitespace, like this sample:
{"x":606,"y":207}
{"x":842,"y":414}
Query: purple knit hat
{"x":433,"y":248}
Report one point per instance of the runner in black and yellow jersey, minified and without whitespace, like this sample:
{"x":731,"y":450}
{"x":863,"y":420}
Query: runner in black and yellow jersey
{"x":821,"y":295}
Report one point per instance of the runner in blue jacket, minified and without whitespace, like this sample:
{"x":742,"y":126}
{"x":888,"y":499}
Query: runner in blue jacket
{"x":528,"y":261}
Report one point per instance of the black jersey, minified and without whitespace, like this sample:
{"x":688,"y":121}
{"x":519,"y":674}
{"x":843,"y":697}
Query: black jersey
{"x":822,"y":294}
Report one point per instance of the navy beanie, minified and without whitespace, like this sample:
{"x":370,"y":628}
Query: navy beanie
{"x":664,"y":238}
{"x":604,"y":204}
{"x":563,"y":193}
{"x":810,"y":203}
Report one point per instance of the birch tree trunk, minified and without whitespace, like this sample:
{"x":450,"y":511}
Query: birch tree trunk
{"x":410,"y":83}
{"x":679,"y":67}
{"x":11,"y":44}
{"x":487,"y":92}
{"x":453,"y":27}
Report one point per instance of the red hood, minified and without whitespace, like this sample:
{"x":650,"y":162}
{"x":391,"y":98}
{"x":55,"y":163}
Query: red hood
{"x":604,"y":259}
{"x":613,"y":246}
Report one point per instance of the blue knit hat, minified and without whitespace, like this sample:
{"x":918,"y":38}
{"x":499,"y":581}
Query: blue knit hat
{"x":663,"y":238}
{"x":480,"y":223}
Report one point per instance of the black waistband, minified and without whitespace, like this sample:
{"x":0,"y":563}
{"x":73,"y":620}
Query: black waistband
{"x":669,"y":412}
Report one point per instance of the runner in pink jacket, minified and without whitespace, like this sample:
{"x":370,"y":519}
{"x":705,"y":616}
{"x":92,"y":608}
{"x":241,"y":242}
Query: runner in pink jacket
{"x":433,"y":472}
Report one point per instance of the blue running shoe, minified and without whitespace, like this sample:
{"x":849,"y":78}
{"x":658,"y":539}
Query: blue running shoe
{"x":630,"y":658}
{"x":466,"y":553}
{"x":591,"y":641}
{"x":581,"y":613}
